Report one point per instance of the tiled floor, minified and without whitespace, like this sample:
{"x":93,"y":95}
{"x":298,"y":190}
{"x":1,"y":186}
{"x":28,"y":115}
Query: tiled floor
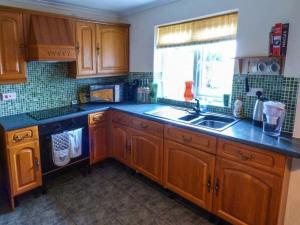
{"x":111,"y":195}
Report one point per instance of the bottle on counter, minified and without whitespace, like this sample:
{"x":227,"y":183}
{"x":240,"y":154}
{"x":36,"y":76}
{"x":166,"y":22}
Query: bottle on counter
{"x":238,"y":110}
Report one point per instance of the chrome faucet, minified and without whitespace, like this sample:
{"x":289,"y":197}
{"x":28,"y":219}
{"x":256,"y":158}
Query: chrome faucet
{"x":197,"y":108}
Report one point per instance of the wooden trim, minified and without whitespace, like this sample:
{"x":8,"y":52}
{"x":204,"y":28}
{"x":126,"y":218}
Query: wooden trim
{"x":28,"y":11}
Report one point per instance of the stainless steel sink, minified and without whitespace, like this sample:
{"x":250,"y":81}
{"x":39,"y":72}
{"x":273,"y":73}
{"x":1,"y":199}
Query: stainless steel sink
{"x":212,"y":121}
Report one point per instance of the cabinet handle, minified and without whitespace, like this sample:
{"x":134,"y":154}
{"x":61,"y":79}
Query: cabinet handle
{"x":186,"y":139}
{"x":217,"y":186}
{"x":18,"y":138}
{"x":98,"y":50}
{"x":208,"y":183}
{"x":144,"y":126}
{"x":246,"y":157}
{"x":77,"y":48}
{"x":37,"y":164}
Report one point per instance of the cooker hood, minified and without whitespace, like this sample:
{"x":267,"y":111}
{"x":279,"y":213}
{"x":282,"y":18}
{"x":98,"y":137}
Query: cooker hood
{"x":51,"y":39}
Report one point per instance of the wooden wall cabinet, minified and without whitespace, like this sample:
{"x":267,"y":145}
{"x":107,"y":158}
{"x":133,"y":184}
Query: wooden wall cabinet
{"x":112,"y":49}
{"x":85,"y":49}
{"x":98,"y":135}
{"x":12,"y":48}
{"x":102,"y":50}
{"x":189,"y":172}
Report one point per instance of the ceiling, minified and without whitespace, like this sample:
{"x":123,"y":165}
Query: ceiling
{"x":118,"y":6}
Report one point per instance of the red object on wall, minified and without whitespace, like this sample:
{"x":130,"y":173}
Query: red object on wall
{"x":188,"y":93}
{"x":276,"y":40}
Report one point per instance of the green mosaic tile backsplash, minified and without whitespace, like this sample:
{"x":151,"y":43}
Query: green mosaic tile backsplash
{"x":47,"y":87}
{"x":276,"y":88}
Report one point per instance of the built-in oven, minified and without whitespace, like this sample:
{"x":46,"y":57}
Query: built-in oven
{"x":45,"y":136}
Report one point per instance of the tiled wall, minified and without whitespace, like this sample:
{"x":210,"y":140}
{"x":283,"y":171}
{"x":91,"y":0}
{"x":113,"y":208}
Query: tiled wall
{"x":276,"y":88}
{"x":48,"y":86}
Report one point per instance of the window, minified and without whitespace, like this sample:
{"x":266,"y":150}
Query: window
{"x":201,"y":51}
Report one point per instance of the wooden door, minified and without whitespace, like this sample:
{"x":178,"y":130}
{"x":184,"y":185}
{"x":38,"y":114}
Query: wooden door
{"x":12,"y":48}
{"x":98,"y":142}
{"x":85,"y":49}
{"x":189,"y":172}
{"x":244,"y":195}
{"x":121,"y":143}
{"x":25,"y":167}
{"x":112,"y":49}
{"x":147,"y":154}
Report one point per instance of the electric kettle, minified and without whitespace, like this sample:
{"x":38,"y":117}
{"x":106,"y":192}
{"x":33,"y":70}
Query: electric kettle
{"x":258,"y":109}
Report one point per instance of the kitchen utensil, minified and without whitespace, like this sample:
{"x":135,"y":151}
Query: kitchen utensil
{"x":258,"y":109}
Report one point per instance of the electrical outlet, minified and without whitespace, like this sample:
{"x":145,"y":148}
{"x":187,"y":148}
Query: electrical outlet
{"x":252,"y":91}
{"x":8,"y":96}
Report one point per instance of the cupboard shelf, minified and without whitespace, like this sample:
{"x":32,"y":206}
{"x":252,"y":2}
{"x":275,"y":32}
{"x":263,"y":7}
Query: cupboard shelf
{"x":248,"y":59}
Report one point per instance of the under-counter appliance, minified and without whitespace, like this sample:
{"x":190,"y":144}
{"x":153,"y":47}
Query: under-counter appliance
{"x":107,"y":93}
{"x":46,"y":130}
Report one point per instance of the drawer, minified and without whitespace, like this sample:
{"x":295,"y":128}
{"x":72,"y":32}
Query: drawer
{"x":259,"y":158}
{"x":98,"y":117}
{"x":147,"y":126}
{"x":22,"y":135}
{"x":193,"y":139}
{"x":120,"y":117}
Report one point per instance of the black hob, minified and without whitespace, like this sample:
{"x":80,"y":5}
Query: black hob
{"x":54,"y":112}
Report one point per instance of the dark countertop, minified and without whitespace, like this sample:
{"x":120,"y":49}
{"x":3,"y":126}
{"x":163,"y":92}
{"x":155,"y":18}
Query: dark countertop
{"x":243,"y":131}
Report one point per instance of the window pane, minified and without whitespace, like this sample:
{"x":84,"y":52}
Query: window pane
{"x":216,"y":66}
{"x":177,"y":65}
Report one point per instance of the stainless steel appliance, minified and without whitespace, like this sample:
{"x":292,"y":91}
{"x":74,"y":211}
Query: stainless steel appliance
{"x":107,"y":93}
{"x":258,"y":109}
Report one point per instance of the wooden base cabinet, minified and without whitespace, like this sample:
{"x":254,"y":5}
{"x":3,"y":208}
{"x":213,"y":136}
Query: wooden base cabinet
{"x":98,"y":136}
{"x":98,"y":142}
{"x":147,"y":154}
{"x":23,"y":162}
{"x":246,"y":196}
{"x":121,"y":143}
{"x":189,"y":172}
{"x":25,"y":168}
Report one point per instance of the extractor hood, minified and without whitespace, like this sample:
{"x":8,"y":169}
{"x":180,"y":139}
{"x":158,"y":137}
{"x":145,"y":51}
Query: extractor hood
{"x":51,"y":39}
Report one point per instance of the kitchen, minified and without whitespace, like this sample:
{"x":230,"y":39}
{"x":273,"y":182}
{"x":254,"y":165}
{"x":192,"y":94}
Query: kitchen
{"x":102,"y":72}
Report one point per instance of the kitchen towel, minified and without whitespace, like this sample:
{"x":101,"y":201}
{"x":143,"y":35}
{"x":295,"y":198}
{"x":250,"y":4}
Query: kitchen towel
{"x":60,"y":149}
{"x":75,"y":137}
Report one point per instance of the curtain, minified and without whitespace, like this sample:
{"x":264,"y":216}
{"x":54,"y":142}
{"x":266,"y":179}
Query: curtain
{"x":211,"y":29}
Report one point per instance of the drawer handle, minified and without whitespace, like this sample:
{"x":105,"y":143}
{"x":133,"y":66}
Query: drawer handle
{"x":246,"y":157}
{"x":185,"y":139}
{"x":97,"y":118}
{"x":18,"y":138}
{"x":144,"y":126}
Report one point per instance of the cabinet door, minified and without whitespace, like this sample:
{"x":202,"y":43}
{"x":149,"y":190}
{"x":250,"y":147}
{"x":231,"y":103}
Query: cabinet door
{"x":189,"y":172}
{"x":25,"y":168}
{"x":12,"y":55}
{"x":112,"y":49}
{"x":98,"y":142}
{"x":85,"y":47}
{"x":246,"y":196}
{"x":121,"y":143}
{"x":147,"y":154}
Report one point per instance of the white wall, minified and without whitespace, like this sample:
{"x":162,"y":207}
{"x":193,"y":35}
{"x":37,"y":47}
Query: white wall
{"x":255,"y":21}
